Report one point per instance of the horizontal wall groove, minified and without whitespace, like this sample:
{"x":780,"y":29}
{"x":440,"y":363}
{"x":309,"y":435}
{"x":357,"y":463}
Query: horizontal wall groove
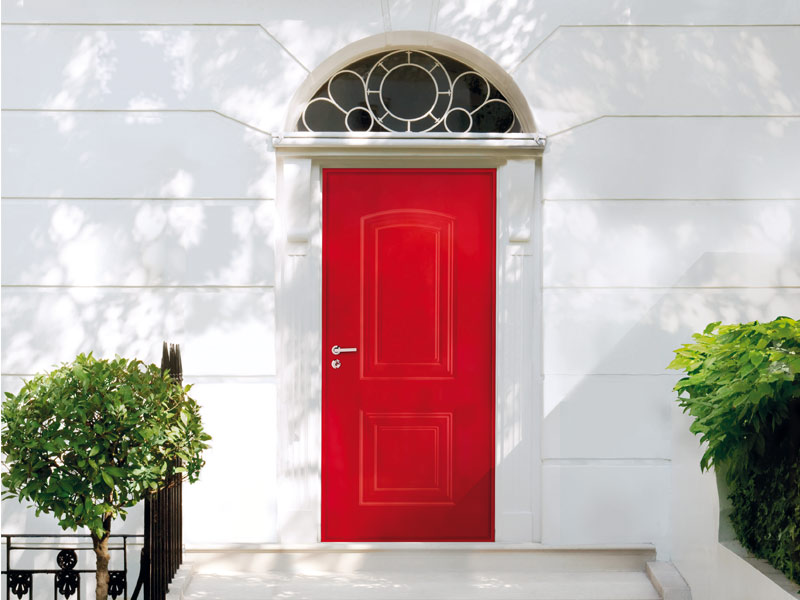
{"x":663,"y":373}
{"x":251,"y":24}
{"x":133,"y":198}
{"x":129,"y":24}
{"x":674,"y":116}
{"x":671,"y":287}
{"x":216,"y":378}
{"x":556,"y":200}
{"x":607,"y":462}
{"x":88,"y":24}
{"x":680,"y":25}
{"x":137,"y":287}
{"x":546,"y":38}
{"x":210,"y":111}
{"x":271,"y":378}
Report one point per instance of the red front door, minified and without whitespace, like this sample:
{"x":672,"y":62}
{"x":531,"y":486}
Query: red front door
{"x":408,"y":417}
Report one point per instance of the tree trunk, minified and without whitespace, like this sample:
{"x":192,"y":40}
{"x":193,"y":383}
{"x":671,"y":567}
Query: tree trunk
{"x":101,"y":552}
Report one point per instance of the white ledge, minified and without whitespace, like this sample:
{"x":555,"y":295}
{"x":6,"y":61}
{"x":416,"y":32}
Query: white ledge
{"x":527,"y":143}
{"x":419,"y":547}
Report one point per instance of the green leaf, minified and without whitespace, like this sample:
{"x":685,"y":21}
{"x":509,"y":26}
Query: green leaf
{"x":756,"y":358}
{"x":72,"y":433}
{"x":742,"y":388}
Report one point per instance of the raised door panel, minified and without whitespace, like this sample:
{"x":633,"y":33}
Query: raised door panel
{"x":408,"y":294}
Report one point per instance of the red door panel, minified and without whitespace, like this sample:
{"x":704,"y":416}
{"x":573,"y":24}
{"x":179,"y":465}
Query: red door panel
{"x":408,"y":419}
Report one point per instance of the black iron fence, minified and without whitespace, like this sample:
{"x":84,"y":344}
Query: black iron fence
{"x":66,"y":579}
{"x":163,"y":516}
{"x":161,"y":554}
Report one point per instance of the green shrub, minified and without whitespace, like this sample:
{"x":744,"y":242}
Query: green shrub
{"x":92,"y":438}
{"x":742,"y":386}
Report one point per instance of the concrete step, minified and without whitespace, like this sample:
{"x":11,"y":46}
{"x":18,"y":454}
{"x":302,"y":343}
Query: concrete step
{"x":408,"y":570}
{"x":422,"y":557}
{"x":614,"y":585}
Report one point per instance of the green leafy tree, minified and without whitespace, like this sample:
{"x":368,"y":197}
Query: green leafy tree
{"x":742,"y":386}
{"x":90,"y":439}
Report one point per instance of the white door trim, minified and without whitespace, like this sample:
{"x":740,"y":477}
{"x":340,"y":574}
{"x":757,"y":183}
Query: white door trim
{"x":518,"y":378}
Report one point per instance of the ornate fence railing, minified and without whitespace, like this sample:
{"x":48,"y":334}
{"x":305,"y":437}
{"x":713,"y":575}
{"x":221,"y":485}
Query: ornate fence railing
{"x":66,"y":579}
{"x":163,"y":516}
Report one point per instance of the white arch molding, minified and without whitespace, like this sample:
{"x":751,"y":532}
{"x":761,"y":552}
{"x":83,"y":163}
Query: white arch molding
{"x":301,"y":157}
{"x":412,"y":40}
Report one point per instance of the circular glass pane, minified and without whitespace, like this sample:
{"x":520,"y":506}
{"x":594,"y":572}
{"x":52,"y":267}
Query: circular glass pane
{"x":458,"y":121}
{"x":408,"y":92}
{"x":359,"y":119}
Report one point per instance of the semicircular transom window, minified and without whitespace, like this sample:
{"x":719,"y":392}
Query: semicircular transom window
{"x":408,"y":91}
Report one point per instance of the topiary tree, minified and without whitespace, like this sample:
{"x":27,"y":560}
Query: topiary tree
{"x":92,"y":438}
{"x":742,"y":386}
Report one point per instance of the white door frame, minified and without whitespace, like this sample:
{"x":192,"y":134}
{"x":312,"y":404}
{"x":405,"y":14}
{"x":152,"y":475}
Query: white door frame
{"x":518,"y":378}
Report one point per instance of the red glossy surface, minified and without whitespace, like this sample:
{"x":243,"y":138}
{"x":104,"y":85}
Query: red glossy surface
{"x":408,"y":420}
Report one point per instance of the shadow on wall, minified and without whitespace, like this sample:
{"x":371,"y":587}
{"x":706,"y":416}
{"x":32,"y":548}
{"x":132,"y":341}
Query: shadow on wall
{"x":607,"y":394}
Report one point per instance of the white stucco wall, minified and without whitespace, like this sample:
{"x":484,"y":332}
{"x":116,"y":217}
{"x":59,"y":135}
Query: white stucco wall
{"x":139,"y":192}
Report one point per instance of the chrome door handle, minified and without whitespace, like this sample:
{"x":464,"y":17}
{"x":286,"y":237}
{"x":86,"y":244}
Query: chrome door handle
{"x":337,"y":350}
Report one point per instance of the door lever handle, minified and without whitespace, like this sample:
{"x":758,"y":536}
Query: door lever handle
{"x":337,"y":350}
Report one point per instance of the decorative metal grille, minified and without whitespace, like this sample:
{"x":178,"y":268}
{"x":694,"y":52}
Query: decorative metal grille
{"x":67,"y":578}
{"x":408,"y":91}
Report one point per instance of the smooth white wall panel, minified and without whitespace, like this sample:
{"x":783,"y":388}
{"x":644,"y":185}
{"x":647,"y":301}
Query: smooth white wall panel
{"x":238,"y":70}
{"x":607,"y":416}
{"x":680,"y":157}
{"x":634,"y":331}
{"x":581,"y":73}
{"x":510,"y":31}
{"x":234,"y":500}
{"x":133,"y":155}
{"x":596,"y":503}
{"x":138,"y":242}
{"x":311,"y":30}
{"x":672,"y":243}
{"x":228,"y":332}
{"x":412,"y":15}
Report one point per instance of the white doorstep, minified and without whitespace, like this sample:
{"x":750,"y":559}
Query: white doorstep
{"x":612,"y":585}
{"x":419,"y":571}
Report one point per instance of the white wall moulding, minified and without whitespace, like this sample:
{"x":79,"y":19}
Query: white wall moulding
{"x":634,"y":331}
{"x":140,"y":67}
{"x":517,"y":183}
{"x":651,"y":157}
{"x":120,"y":154}
{"x":138,"y":242}
{"x":294,"y":184}
{"x":230,"y":333}
{"x":671,"y":243}
{"x":445,"y":145}
{"x":298,"y":302}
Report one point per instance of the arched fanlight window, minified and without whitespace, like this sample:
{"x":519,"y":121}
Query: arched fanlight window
{"x":408,"y":91}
